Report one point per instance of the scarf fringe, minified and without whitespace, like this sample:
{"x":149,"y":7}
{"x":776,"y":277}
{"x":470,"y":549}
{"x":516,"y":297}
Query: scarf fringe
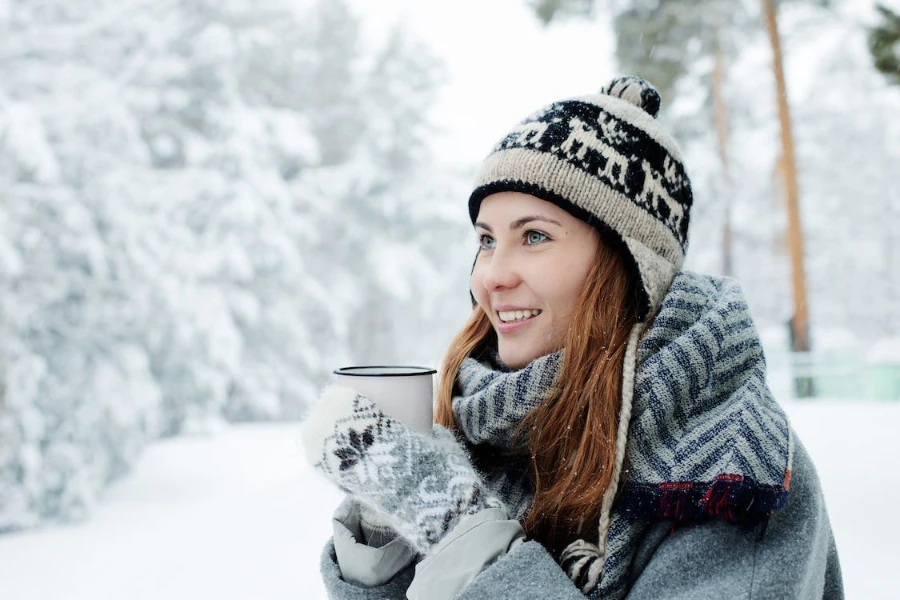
{"x":732,"y":498}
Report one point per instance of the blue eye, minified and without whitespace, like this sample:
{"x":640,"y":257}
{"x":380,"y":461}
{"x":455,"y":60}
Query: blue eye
{"x":528,"y":235}
{"x":481,"y":241}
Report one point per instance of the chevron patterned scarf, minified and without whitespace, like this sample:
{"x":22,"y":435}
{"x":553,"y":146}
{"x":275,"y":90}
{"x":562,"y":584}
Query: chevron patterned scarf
{"x":705,"y":437}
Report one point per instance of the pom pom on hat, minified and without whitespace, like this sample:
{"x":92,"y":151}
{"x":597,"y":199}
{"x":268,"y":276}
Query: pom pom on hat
{"x":636,"y":91}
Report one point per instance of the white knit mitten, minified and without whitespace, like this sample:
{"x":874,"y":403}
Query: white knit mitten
{"x":423,"y":484}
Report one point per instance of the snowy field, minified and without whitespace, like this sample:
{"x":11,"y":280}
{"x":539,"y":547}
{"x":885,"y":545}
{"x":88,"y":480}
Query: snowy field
{"x":238,"y":515}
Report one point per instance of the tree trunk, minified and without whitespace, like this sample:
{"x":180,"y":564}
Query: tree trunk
{"x":720,"y":115}
{"x":800,"y":320}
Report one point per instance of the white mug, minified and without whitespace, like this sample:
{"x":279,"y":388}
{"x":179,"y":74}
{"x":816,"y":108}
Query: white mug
{"x":404,"y":393}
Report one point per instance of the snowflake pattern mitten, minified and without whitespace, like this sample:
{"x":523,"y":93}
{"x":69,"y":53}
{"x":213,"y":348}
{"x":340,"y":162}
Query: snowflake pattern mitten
{"x":422,"y":483}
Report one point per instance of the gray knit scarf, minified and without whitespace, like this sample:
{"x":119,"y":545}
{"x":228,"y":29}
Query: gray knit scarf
{"x":703,"y":436}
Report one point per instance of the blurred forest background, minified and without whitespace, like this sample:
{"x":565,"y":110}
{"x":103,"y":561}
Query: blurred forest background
{"x":208,"y":206}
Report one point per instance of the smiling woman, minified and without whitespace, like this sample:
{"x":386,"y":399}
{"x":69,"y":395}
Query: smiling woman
{"x":604,"y":427}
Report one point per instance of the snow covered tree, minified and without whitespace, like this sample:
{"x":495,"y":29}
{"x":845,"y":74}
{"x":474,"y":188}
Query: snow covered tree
{"x":400,"y":89}
{"x":334,"y":86}
{"x":198,"y":201}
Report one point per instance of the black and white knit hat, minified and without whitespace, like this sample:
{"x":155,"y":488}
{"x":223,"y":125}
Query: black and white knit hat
{"x":605,"y":159}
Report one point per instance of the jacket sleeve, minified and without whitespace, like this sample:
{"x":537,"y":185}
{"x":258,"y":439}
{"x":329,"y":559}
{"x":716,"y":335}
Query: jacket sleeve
{"x":472,"y":546}
{"x":796,"y":558}
{"x":484,"y":556}
{"x":526,"y":572}
{"x":352,"y":569}
{"x":337,"y":588}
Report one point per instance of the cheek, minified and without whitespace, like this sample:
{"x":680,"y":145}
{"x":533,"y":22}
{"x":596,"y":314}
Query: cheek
{"x":562,"y":293}
{"x":476,"y":287}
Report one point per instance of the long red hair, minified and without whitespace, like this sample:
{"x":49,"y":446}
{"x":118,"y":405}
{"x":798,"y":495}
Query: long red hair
{"x":572,"y":437}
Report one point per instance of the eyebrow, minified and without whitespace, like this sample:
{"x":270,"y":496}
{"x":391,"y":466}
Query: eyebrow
{"x":520,"y":222}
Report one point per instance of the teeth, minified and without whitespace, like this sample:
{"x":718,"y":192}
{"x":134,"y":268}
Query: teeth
{"x":518,"y":315}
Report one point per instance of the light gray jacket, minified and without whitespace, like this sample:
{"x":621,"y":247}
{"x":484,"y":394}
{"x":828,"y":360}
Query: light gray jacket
{"x":486,"y":557}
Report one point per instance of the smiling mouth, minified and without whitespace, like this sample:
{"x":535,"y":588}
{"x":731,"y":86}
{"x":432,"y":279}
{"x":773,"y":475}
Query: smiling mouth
{"x":518,"y":316}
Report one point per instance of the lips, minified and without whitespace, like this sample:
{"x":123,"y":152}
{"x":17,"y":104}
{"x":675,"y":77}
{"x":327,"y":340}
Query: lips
{"x":514,"y":325}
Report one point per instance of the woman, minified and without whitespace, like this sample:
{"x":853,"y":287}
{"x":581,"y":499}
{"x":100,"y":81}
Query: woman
{"x":604,"y":427}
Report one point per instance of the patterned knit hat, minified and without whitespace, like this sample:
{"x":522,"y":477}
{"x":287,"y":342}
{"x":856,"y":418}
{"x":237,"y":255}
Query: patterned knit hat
{"x":605,"y":159}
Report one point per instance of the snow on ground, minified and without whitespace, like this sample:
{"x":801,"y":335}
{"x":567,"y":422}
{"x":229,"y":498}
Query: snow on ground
{"x":236,"y":515}
{"x":239,"y":515}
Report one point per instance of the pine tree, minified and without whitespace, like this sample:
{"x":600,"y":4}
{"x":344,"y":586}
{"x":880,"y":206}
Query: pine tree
{"x":548,"y":10}
{"x":884,"y":44}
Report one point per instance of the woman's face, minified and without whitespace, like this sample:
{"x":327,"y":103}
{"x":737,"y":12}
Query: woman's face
{"x":535,"y":256}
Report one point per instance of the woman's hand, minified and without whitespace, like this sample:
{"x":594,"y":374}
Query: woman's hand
{"x":423,"y":484}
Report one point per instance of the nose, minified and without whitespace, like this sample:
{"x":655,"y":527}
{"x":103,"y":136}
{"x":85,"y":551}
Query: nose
{"x":499,"y":271}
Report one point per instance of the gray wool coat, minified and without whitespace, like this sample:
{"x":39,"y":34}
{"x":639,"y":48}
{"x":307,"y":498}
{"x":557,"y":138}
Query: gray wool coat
{"x":484,"y":558}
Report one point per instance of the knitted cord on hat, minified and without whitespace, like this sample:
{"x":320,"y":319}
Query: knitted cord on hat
{"x":581,"y":560}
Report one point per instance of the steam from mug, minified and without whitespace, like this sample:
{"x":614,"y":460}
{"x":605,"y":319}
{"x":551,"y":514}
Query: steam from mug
{"x":403,"y":392}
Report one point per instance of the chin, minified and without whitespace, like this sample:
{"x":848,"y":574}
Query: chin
{"x":515,"y":357}
{"x":516,"y":360}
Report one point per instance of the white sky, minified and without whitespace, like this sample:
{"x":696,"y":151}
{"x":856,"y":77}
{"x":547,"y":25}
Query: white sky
{"x":501,"y":64}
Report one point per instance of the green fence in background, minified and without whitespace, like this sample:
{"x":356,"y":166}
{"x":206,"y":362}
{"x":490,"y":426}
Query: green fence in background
{"x":836,"y":374}
{"x":883,"y":381}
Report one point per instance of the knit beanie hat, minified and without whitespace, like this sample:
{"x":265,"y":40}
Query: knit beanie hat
{"x":605,"y":159}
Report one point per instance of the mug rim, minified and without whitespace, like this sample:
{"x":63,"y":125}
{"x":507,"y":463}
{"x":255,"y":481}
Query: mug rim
{"x":421,"y":371}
